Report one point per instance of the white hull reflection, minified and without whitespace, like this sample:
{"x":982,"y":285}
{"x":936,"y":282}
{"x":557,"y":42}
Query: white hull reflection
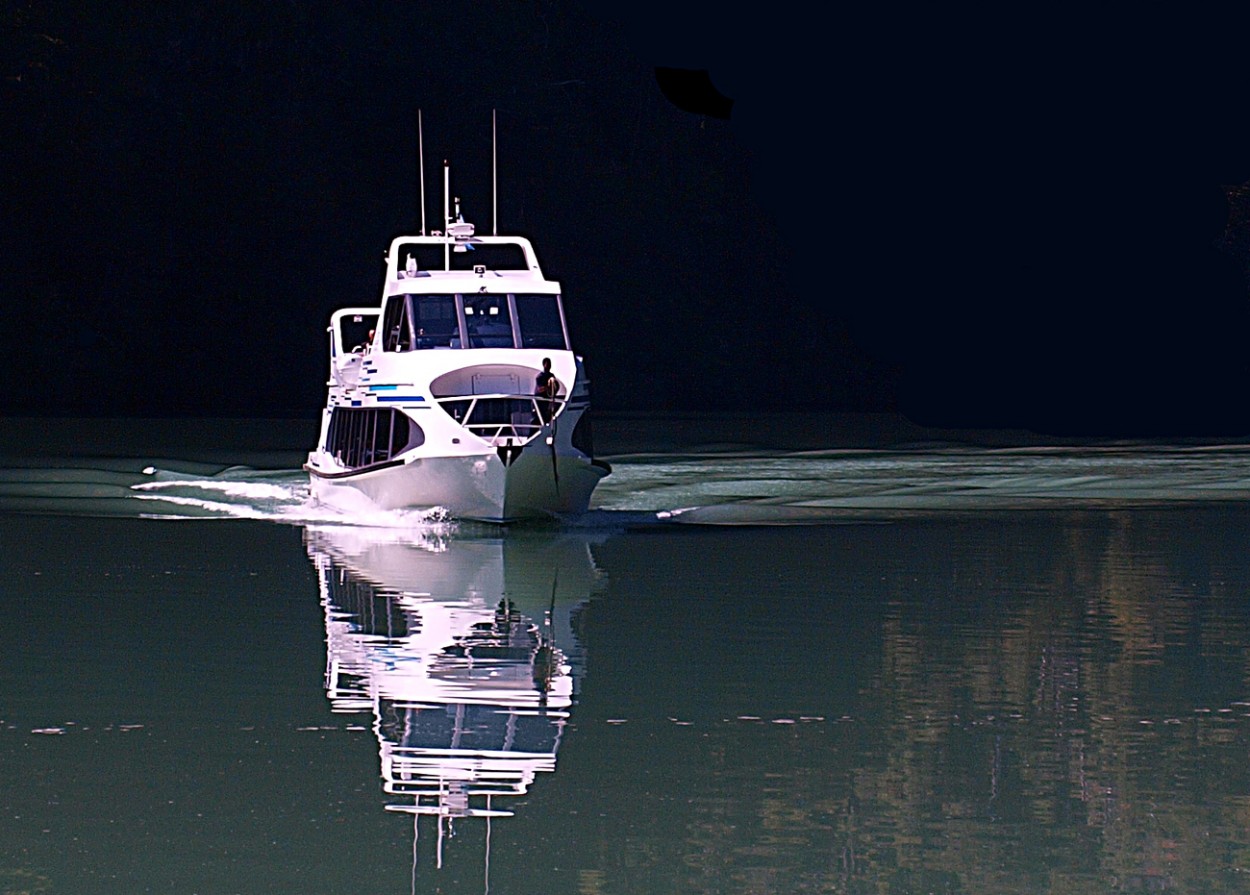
{"x":464,"y":653}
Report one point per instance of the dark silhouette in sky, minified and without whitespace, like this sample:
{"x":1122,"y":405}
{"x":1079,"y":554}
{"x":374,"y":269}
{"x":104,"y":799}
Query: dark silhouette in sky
{"x":1019,"y":222}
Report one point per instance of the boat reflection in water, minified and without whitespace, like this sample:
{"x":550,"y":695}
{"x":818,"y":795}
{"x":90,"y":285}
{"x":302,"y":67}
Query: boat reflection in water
{"x":464,"y":651}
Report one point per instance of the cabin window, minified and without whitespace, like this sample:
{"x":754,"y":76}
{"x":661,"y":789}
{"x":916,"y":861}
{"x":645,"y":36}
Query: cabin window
{"x":361,"y":436}
{"x":487,"y":321}
{"x":396,"y":324}
{"x":436,"y":321}
{"x":540,"y":321}
{"x":354,"y":330}
{"x":430,"y":321}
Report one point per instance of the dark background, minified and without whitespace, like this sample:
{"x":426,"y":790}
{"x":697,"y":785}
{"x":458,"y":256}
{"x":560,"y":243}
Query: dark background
{"x":1033,"y":221}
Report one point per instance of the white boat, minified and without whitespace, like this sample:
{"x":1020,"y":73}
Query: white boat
{"x":433,"y":395}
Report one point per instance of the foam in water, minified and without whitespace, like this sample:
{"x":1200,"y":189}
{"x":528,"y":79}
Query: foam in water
{"x":276,"y":496}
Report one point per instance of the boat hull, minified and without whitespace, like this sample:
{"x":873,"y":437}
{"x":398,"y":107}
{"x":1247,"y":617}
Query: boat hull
{"x":480,"y":487}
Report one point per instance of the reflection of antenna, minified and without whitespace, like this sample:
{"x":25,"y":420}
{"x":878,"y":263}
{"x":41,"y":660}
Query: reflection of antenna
{"x":416,"y":832}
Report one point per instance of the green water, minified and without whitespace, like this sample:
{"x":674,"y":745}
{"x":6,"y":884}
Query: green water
{"x":978,"y":703}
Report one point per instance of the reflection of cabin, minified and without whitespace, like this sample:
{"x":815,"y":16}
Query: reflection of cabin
{"x":442,"y":756}
{"x":356,"y":614}
{"x":510,"y":652}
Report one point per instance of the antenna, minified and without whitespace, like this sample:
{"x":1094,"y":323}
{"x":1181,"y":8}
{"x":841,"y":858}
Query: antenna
{"x":494,"y":178}
{"x":421,"y":169}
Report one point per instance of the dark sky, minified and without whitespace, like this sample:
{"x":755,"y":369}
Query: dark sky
{"x":1020,"y":221}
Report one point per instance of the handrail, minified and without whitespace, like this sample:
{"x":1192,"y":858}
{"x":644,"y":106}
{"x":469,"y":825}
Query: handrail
{"x":560,"y":401}
{"x":497,"y":432}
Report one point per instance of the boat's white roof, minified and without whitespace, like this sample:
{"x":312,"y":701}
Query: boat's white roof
{"x":483,"y":279}
{"x":394,"y":257}
{"x":441,"y":281}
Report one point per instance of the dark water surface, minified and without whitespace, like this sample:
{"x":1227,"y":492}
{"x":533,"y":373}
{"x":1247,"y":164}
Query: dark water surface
{"x":951,"y":696}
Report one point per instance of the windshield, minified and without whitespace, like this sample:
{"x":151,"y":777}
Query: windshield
{"x":539,"y":320}
{"x":487,"y":321}
{"x":433,"y":321}
{"x":436,"y":321}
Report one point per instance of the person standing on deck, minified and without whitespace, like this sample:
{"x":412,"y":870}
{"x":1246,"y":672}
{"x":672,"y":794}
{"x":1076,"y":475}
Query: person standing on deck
{"x":546,"y":386}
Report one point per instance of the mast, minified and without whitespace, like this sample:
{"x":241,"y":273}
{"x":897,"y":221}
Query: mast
{"x":494,"y":177}
{"x":421,"y":169}
{"x":446,"y":215}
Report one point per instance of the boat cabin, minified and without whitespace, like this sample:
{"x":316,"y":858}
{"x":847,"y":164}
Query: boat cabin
{"x":471,"y":292}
